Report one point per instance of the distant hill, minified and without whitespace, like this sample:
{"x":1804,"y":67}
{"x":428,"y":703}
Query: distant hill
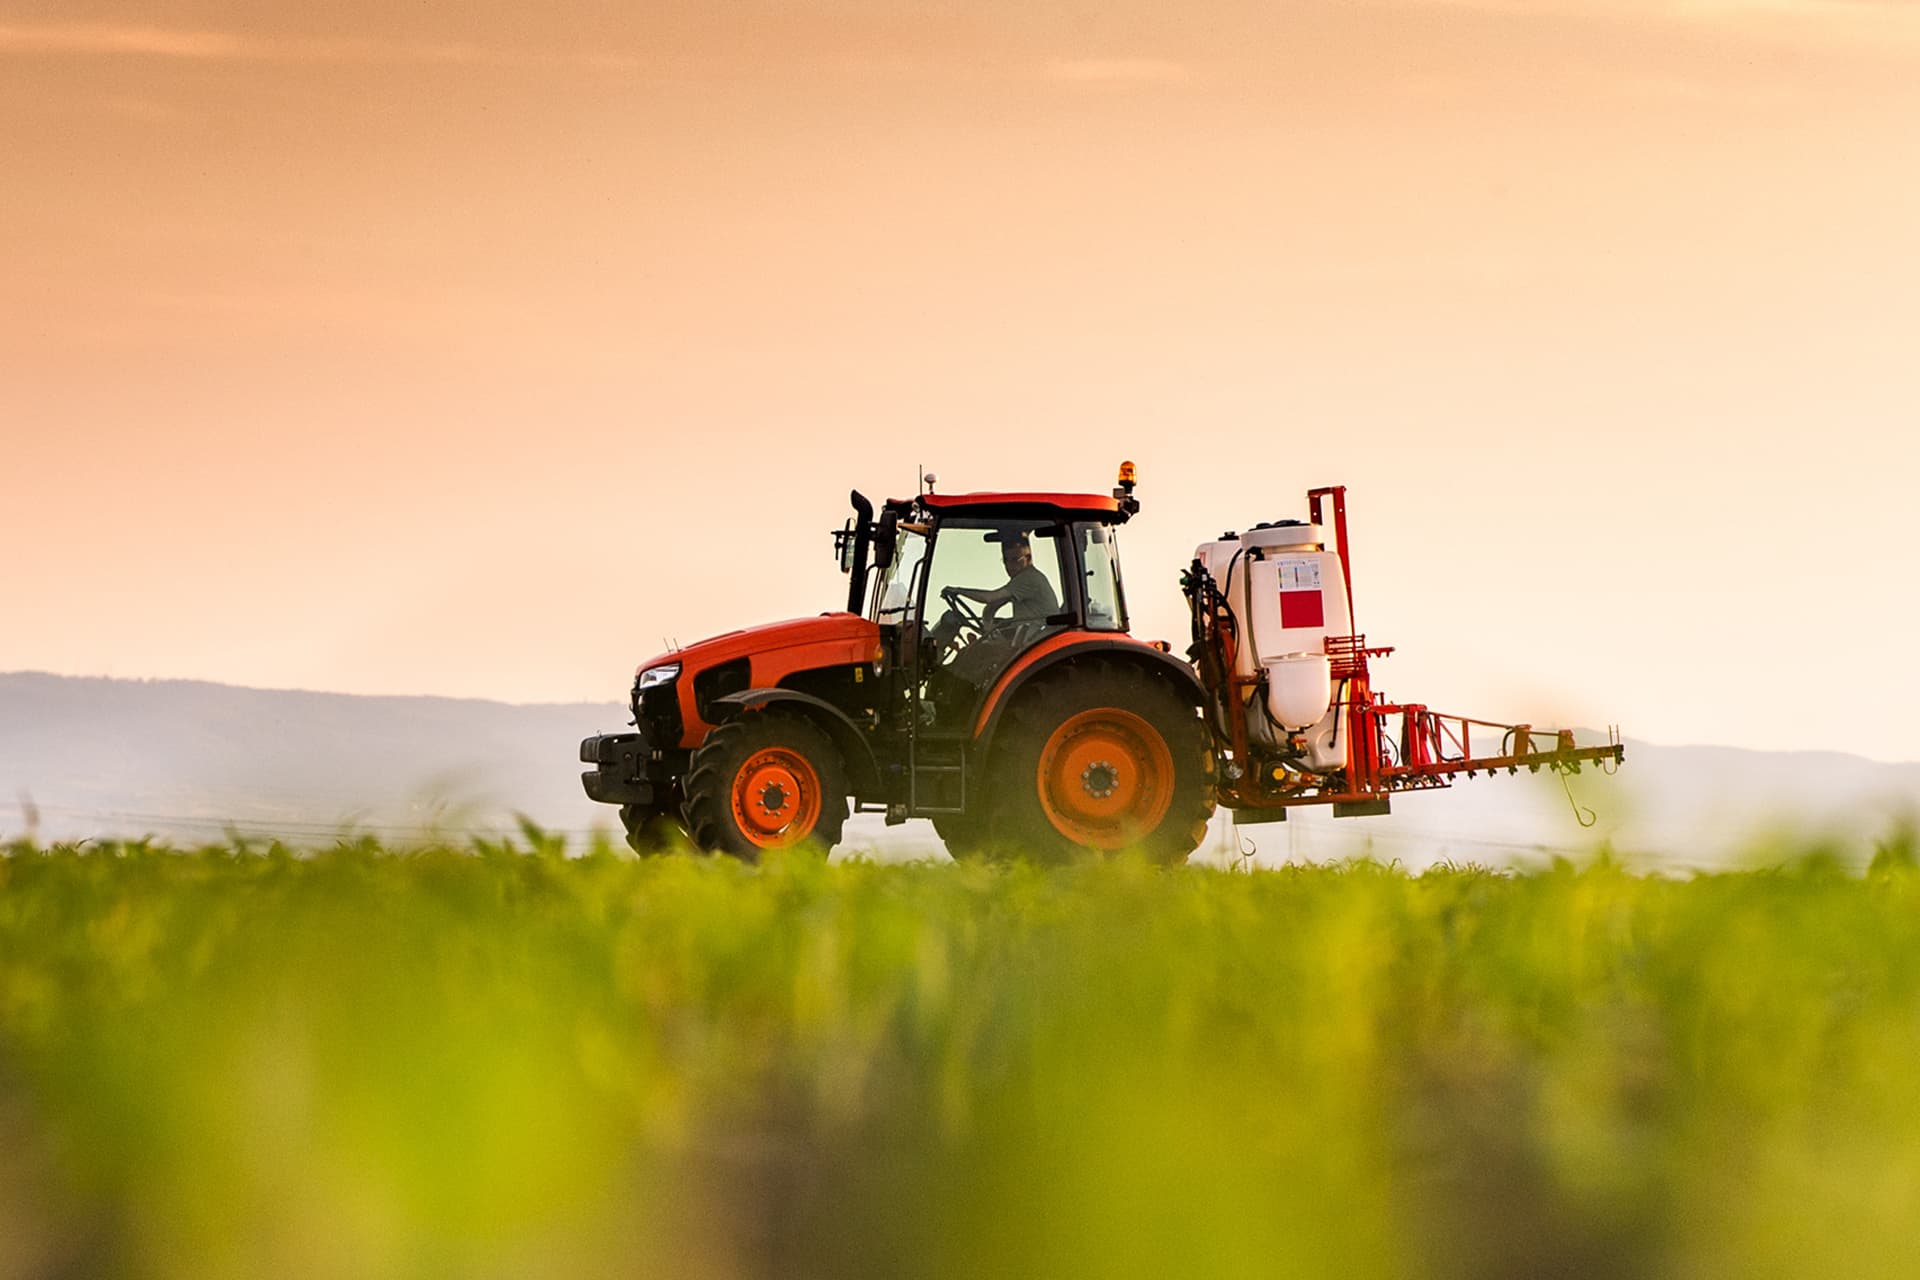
{"x":91,"y":757}
{"x":186,"y":758}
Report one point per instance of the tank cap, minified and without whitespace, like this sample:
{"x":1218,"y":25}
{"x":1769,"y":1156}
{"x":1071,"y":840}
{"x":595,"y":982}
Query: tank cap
{"x":1280,"y":524}
{"x":1291,"y":533}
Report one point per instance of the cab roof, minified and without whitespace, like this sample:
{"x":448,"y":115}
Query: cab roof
{"x":1065,"y":506}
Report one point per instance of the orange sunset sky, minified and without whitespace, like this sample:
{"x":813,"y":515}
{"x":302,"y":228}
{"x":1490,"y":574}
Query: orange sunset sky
{"x":473,"y":349}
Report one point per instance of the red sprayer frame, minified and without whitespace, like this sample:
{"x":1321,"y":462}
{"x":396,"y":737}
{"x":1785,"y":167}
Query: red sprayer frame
{"x":1430,"y":749}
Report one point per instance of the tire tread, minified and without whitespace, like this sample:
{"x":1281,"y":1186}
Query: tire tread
{"x":708,"y":808}
{"x":1014,"y":823}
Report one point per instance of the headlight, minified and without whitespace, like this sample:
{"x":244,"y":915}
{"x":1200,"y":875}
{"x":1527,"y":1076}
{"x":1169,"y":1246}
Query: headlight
{"x":662,"y":674}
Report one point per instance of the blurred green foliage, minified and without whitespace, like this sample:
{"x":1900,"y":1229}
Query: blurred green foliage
{"x":508,"y":1062}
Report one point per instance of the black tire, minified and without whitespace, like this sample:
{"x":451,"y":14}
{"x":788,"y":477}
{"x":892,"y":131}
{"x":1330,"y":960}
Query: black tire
{"x":651,"y":829}
{"x":964,"y":835}
{"x":1140,"y":740}
{"x":798,"y":773}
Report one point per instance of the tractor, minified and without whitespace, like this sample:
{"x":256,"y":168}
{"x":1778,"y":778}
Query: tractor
{"x":982,"y":675}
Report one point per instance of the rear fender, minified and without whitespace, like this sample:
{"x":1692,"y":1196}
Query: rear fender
{"x":857,"y":753}
{"x":1047,"y":656}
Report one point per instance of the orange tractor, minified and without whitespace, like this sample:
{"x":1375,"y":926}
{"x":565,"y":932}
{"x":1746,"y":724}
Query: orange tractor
{"x":982,"y":676}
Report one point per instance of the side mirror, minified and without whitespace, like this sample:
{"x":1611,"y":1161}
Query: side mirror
{"x":844,"y":540}
{"x":886,"y":537}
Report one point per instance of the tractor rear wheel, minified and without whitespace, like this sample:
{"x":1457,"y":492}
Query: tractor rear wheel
{"x":765,"y":781}
{"x":1103,"y":758}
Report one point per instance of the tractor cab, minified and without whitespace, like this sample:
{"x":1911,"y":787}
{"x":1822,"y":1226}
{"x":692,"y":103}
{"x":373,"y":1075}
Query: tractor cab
{"x":964,"y":585}
{"x":970,"y":593}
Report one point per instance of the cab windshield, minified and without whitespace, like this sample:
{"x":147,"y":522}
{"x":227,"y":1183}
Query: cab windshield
{"x":1015,"y":559}
{"x":893,"y":596}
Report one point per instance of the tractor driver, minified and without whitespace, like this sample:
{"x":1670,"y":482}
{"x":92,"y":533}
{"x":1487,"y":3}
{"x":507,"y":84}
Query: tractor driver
{"x":1027,"y":588}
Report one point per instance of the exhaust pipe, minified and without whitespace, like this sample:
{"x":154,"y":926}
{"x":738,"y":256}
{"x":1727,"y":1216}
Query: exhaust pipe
{"x":862,"y":536}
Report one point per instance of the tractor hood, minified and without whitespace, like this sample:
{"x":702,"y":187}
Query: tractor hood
{"x":833,"y":639}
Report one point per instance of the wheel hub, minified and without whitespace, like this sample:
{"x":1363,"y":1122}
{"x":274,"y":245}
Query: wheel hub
{"x":769,"y":797}
{"x":1105,"y":777}
{"x":775,"y":797}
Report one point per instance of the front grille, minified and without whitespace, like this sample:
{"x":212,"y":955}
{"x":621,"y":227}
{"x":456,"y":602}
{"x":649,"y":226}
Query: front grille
{"x":656,"y":713}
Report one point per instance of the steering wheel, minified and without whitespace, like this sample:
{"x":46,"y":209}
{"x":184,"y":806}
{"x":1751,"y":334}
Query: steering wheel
{"x":964,"y":609}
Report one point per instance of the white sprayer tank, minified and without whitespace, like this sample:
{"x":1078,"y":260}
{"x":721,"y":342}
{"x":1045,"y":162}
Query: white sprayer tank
{"x":1288,"y":593}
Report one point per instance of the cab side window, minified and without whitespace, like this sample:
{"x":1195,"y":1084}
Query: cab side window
{"x":980,"y":554}
{"x":1106,"y":609}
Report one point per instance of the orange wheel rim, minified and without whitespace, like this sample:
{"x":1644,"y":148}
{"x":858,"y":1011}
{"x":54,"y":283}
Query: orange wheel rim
{"x":776,"y":797}
{"x":1105,"y":778}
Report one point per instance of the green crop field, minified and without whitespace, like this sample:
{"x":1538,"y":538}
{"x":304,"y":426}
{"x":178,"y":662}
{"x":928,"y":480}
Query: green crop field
{"x":499,"y":1061}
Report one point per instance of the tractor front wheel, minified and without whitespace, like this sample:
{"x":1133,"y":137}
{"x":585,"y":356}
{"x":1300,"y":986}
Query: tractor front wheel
{"x":1104,"y":758}
{"x":963,"y":834}
{"x":765,"y":781}
{"x":650,"y":829}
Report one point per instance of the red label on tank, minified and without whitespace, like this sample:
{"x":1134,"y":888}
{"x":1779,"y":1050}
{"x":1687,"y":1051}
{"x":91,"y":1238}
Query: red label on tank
{"x":1302,"y":609}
